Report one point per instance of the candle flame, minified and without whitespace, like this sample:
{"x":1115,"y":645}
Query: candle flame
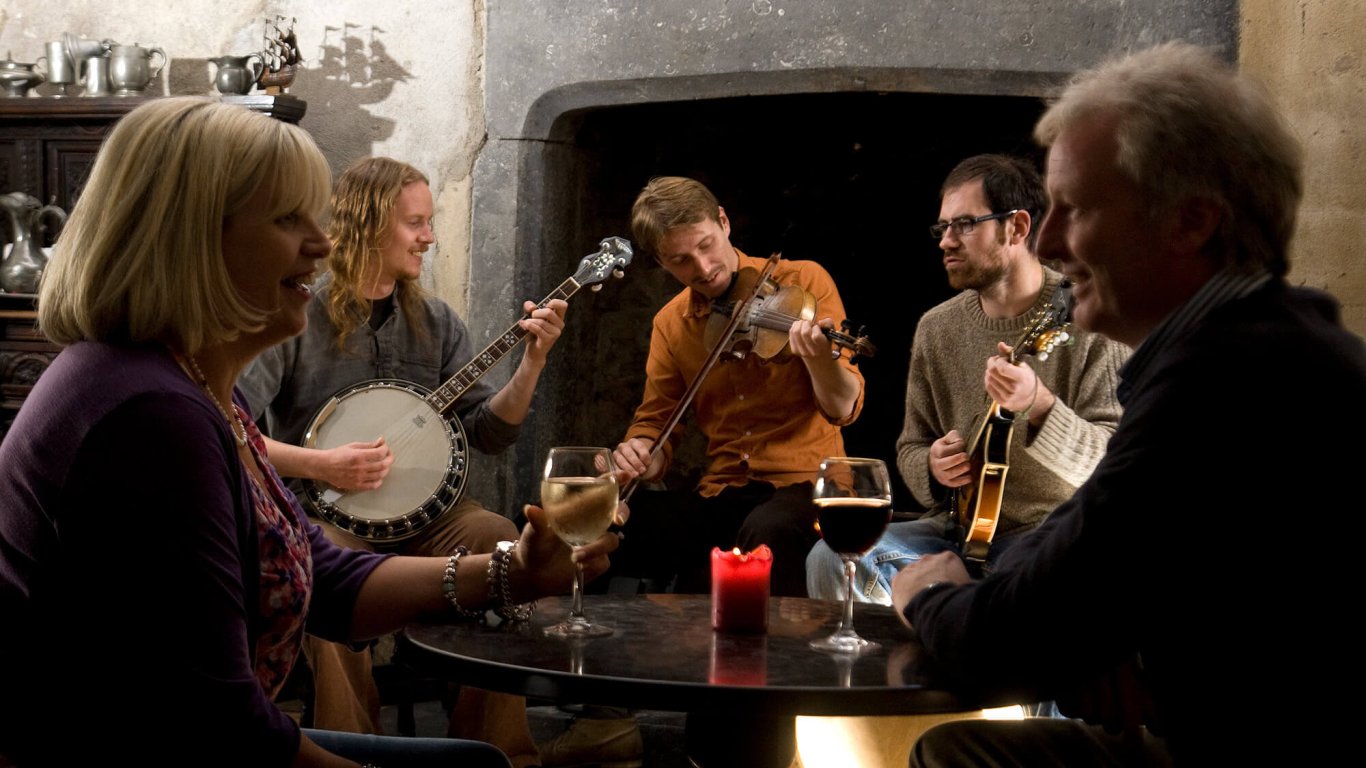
{"x":737,"y":552}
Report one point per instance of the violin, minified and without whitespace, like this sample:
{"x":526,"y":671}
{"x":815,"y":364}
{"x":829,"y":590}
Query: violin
{"x":766,"y":317}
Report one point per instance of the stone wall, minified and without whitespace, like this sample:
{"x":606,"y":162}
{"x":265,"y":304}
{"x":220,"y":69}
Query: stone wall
{"x":1312,"y":57}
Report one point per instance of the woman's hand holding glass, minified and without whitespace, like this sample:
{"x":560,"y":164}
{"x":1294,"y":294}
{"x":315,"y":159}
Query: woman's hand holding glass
{"x":542,"y":564}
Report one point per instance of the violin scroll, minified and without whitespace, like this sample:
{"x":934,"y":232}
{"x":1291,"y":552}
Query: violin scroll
{"x":857,"y":344}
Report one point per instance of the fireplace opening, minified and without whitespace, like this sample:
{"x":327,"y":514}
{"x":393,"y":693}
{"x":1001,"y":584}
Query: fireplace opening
{"x":849,"y":180}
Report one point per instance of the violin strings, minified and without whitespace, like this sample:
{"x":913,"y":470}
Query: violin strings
{"x":781,"y":317}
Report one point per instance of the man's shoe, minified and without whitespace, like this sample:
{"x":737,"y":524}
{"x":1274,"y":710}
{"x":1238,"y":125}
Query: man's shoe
{"x":613,"y":743}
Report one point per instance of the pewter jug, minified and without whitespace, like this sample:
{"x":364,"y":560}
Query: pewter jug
{"x":28,"y":226}
{"x":130,"y":68}
{"x":237,"y":74}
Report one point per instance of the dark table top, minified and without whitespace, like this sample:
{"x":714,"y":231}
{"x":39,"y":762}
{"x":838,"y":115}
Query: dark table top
{"x":664,"y":655}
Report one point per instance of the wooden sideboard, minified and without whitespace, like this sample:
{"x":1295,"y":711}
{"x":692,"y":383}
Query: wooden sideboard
{"x":47,"y":146}
{"x":24,"y":354}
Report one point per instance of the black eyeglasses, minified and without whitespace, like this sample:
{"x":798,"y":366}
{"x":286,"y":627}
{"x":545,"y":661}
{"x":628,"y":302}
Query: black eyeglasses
{"x":963,"y":225}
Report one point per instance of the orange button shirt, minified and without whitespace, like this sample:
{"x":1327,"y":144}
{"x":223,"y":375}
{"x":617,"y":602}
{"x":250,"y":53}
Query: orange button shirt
{"x":760,"y":416}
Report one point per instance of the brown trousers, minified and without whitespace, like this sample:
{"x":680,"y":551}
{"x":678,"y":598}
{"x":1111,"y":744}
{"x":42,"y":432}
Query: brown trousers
{"x":345,"y":695}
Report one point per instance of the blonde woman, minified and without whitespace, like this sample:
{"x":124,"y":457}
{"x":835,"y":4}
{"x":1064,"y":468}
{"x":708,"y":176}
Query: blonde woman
{"x":154,"y":570}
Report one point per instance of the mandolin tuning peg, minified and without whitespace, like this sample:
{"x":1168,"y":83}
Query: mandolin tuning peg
{"x":595,"y":287}
{"x":618,"y":272}
{"x":1043,"y":356}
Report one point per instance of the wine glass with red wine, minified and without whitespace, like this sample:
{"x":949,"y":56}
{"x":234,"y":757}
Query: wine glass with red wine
{"x":853,"y":499}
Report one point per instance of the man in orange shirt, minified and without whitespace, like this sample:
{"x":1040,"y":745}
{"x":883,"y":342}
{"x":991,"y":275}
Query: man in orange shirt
{"x":767,"y":422}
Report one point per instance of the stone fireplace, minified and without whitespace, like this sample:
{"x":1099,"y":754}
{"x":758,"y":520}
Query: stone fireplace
{"x":824,"y":132}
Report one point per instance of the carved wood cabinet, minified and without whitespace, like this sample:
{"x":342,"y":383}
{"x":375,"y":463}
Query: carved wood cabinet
{"x":47,"y":146}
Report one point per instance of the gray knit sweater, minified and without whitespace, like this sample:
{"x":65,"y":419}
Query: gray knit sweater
{"x":944,"y":391}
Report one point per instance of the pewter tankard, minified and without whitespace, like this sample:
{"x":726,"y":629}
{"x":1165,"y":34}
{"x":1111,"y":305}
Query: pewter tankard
{"x":97,"y":76}
{"x":61,"y":68}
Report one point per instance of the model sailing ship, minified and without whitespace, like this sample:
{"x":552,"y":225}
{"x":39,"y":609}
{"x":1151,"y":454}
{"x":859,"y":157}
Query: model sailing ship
{"x":281,"y":56}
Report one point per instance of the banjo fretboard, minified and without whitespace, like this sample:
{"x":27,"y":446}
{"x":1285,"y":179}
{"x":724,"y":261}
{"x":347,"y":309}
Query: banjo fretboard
{"x":611,"y":258}
{"x":445,"y":395}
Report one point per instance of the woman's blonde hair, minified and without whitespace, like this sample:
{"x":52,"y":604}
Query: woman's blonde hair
{"x":141,"y":257}
{"x":362,"y":209}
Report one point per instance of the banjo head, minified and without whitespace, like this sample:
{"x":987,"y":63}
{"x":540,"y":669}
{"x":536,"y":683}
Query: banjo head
{"x":430,"y":459}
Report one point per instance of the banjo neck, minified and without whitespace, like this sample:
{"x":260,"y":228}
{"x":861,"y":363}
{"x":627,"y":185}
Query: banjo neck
{"x":444,"y":396}
{"x":609,"y":260}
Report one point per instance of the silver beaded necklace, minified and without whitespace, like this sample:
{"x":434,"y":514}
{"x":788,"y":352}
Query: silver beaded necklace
{"x":239,"y":430}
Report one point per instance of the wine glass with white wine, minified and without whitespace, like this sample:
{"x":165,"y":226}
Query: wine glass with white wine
{"x":853,"y":499}
{"x":579,"y":496}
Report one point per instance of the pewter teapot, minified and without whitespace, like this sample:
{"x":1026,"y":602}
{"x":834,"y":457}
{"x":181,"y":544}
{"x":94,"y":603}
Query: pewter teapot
{"x":27,"y":220}
{"x":130,"y":68}
{"x":17,"y":78}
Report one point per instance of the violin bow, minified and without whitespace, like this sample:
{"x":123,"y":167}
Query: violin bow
{"x":737,"y":314}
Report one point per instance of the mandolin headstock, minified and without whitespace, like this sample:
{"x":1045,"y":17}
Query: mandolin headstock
{"x":1049,"y":328}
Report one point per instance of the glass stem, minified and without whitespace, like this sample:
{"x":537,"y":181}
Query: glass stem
{"x":576,"y":612}
{"x":847,"y":625}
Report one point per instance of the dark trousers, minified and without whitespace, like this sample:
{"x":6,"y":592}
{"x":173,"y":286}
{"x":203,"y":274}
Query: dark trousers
{"x":670,"y":535}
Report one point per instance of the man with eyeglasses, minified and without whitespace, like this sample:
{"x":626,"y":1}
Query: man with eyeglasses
{"x":1064,"y":407}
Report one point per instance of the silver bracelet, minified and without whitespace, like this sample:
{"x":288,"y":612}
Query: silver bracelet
{"x":499,"y":588}
{"x":449,"y":589}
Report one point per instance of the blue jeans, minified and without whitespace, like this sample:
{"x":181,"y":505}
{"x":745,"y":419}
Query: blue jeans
{"x":902,"y":544}
{"x":409,"y":752}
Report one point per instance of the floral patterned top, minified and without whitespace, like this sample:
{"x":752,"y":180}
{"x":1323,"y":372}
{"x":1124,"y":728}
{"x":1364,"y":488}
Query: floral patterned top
{"x":286,"y":569}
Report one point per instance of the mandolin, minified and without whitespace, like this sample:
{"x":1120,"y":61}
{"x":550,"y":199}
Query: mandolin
{"x":977,"y":505}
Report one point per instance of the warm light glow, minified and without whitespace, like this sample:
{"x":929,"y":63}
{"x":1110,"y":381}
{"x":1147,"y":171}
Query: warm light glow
{"x":875,"y":742}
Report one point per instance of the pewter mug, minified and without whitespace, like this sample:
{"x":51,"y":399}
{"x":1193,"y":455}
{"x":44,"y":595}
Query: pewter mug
{"x":61,"y":68}
{"x":130,"y":68}
{"x":97,"y":76}
{"x":235,"y":74}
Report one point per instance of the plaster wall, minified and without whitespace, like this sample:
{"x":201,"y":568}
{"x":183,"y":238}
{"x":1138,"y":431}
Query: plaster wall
{"x":1311,"y":55}
{"x":398,"y":78}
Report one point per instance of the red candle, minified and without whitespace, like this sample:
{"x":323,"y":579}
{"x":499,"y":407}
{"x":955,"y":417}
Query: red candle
{"x":739,"y":589}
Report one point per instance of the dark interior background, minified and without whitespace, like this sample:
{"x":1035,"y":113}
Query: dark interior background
{"x":849,"y":180}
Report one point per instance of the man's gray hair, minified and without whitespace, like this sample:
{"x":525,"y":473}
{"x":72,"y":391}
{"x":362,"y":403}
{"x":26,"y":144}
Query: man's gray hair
{"x":1191,"y":127}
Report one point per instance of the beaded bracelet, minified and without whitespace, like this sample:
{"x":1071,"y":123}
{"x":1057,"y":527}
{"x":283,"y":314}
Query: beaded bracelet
{"x":448,"y":587}
{"x":499,"y":587}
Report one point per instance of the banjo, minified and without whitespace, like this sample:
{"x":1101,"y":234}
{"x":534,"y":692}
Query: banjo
{"x":427,"y":440}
